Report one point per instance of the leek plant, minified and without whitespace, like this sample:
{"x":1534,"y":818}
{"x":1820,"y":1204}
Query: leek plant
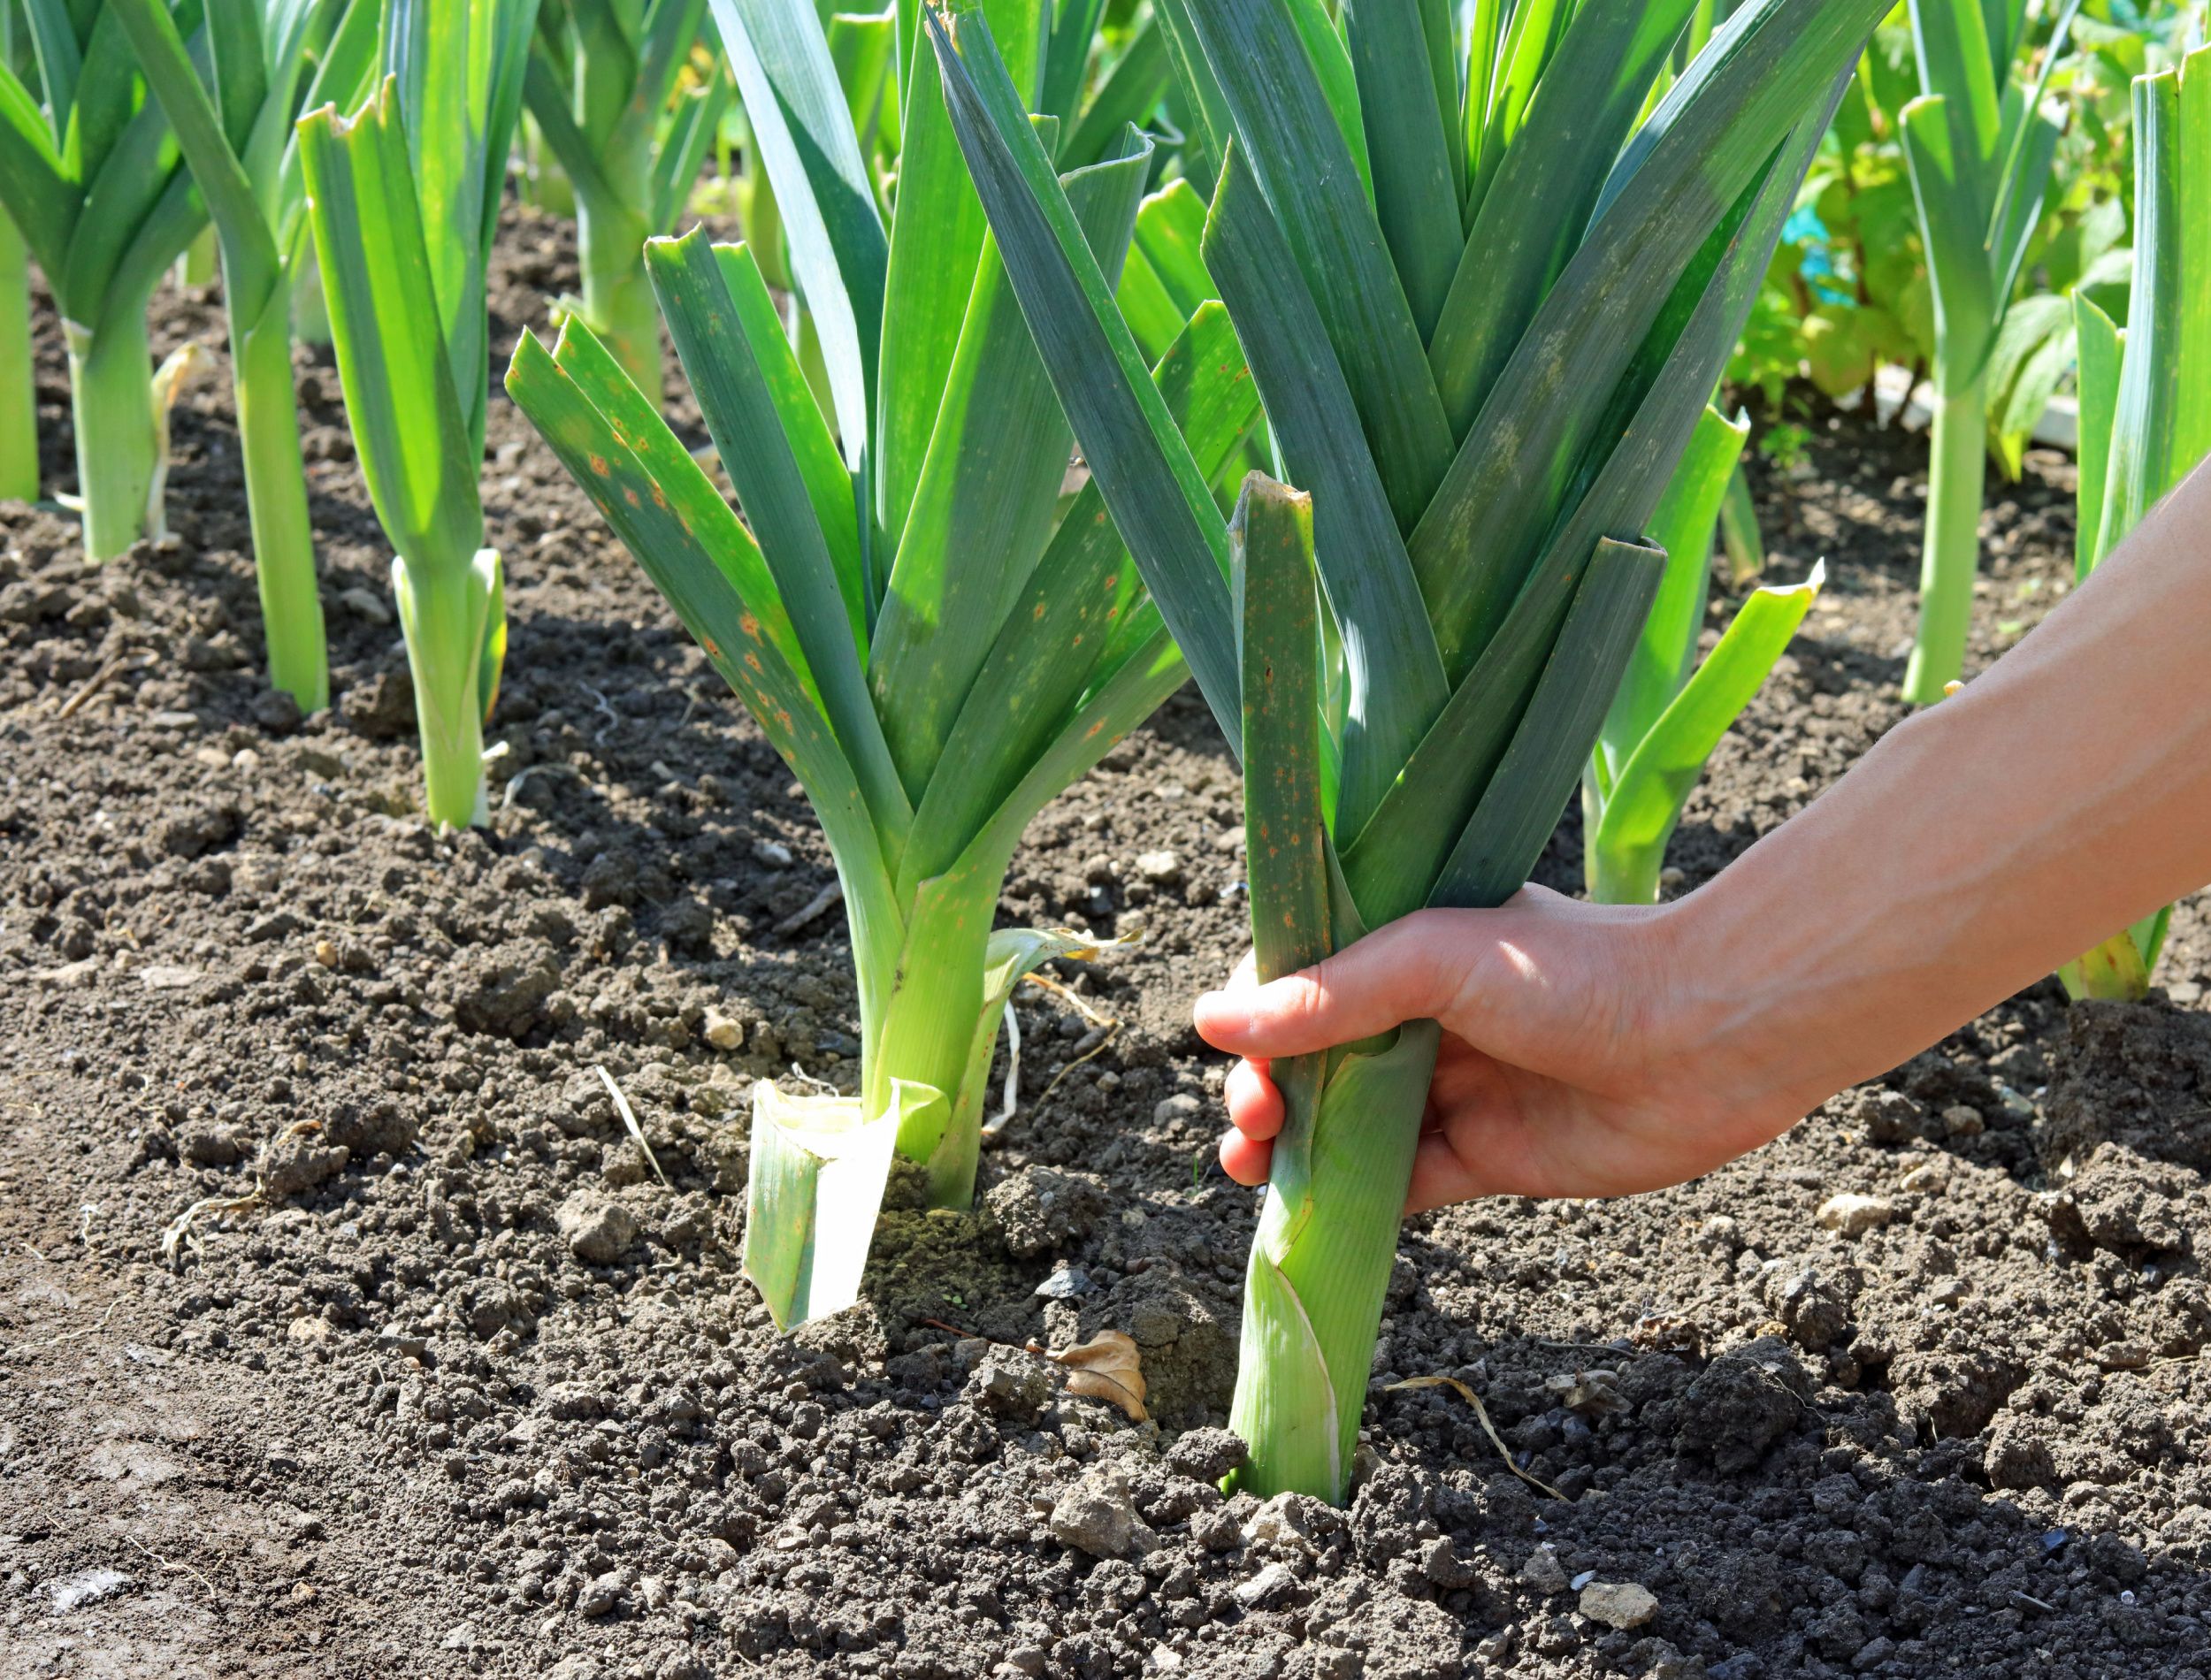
{"x":1978,"y":148}
{"x":2146,"y":393}
{"x":18,"y":388}
{"x":933,"y":646}
{"x":90,"y":177}
{"x":1671,"y":711}
{"x":604,"y":88}
{"x":403,"y":198}
{"x":232,"y":111}
{"x":1483,"y":332}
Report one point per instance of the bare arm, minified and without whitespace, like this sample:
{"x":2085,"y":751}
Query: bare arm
{"x":1592,"y":1049}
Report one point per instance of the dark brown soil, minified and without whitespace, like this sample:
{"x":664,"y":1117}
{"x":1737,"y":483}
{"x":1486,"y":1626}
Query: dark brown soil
{"x":378,"y":1417}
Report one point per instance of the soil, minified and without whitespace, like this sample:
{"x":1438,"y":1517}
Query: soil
{"x":305,"y":1370}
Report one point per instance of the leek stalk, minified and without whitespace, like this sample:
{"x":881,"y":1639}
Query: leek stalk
{"x":932,"y":641}
{"x":1467,"y":483}
{"x":95,"y":190}
{"x":232,"y":113}
{"x":2146,"y":394}
{"x":403,"y":198}
{"x":19,"y":389}
{"x":603,"y":92}
{"x":1980,"y":149}
{"x":111,"y":411}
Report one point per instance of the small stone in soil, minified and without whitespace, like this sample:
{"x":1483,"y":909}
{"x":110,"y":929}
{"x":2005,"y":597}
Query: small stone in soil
{"x":1098,"y":1516}
{"x":596,"y":1227}
{"x":1063,"y":1283}
{"x":1618,"y":1604}
{"x":724,"y":1032}
{"x":1544,"y":1571}
{"x":1275,"y":1587}
{"x":1961,"y":1120}
{"x":1853,"y":1215}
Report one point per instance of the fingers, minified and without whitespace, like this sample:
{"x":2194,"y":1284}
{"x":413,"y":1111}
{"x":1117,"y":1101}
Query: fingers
{"x":1255,"y":1106}
{"x":1245,"y":1160}
{"x":1399,"y":972}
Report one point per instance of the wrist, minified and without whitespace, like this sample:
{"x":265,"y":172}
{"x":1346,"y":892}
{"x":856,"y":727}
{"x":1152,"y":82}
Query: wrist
{"x":1726,"y":1033}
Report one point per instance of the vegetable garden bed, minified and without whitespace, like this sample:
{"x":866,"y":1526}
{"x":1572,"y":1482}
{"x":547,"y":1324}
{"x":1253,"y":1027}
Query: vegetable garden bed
{"x":467,"y":1388}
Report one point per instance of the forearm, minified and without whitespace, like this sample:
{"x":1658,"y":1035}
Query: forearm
{"x":2055,"y":800}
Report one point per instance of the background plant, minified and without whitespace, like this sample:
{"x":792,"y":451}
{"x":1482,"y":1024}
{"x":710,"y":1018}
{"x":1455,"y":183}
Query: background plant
{"x":1475,"y":393}
{"x":1671,"y":711}
{"x":232,"y":112}
{"x":403,"y":199}
{"x":934,"y":647}
{"x":18,"y":388}
{"x":90,"y":175}
{"x":608,"y":91}
{"x":2145,"y":394}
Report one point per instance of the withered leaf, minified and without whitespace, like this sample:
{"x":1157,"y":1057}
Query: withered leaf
{"x":1107,"y":1367}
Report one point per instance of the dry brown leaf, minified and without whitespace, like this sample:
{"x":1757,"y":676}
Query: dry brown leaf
{"x":1107,"y":1367}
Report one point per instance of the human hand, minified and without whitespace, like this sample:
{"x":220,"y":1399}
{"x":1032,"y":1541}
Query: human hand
{"x":1570,"y":1063}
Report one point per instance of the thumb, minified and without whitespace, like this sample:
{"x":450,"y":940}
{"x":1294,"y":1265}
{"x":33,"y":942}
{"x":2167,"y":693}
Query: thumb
{"x":1399,"y":972}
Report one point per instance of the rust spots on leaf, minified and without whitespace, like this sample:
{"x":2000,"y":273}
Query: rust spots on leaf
{"x":659,"y":498}
{"x":629,"y":495}
{"x":713,"y":649}
{"x":750,"y":626}
{"x":599,"y":465}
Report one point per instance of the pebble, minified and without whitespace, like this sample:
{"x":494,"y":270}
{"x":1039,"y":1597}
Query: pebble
{"x":1160,"y":868}
{"x":1064,"y":1284}
{"x":1619,"y":1604}
{"x":1852,"y":1214}
{"x":596,"y":1227}
{"x":2124,"y":1356}
{"x":772,"y":854}
{"x":365,"y":604}
{"x":600,"y":1594}
{"x":1098,"y":1516}
{"x":1544,"y":1571}
{"x":1929,"y":1177}
{"x":1963,"y":1120}
{"x":724,"y":1031}
{"x":1272,"y":1588}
